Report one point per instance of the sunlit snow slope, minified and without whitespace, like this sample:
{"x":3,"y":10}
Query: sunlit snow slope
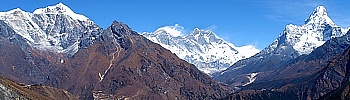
{"x":55,"y":28}
{"x":202,"y":48}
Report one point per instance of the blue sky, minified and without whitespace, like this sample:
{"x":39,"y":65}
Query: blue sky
{"x":242,"y":22}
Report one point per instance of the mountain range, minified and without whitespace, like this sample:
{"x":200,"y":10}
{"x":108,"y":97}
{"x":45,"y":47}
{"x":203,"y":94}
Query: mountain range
{"x":54,"y":53}
{"x":293,"y":42}
{"x":208,"y":52}
{"x":319,"y":72}
{"x":323,"y":74}
{"x":56,"y":47}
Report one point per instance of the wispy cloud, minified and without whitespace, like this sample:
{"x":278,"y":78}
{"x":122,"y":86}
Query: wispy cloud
{"x":212,"y":28}
{"x":254,"y":43}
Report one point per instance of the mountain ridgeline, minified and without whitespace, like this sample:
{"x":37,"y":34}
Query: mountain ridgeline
{"x":293,"y":42}
{"x":202,"y":48}
{"x":284,"y":71}
{"x":54,"y":53}
{"x":320,"y":74}
{"x":56,"y":47}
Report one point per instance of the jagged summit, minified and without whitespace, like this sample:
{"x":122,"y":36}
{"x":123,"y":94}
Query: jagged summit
{"x":13,"y":11}
{"x":204,"y":37}
{"x":198,"y":31}
{"x":120,"y":25}
{"x":317,"y":29}
{"x":50,"y":28}
{"x":60,"y":8}
{"x":319,"y":16}
{"x":200,"y":47}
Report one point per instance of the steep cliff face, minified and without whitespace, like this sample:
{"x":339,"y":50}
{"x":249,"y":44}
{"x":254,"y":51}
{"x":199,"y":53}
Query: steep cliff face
{"x":341,"y":93}
{"x":335,"y":77}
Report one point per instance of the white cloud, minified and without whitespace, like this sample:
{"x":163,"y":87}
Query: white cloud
{"x":175,"y":30}
{"x":211,"y":28}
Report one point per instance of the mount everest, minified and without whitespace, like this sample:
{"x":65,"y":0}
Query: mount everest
{"x":202,"y":48}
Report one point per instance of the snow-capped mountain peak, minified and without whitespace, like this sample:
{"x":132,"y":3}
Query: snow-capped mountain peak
{"x":13,"y":11}
{"x":16,"y":10}
{"x":51,"y":28}
{"x":60,"y":8}
{"x":204,"y":36}
{"x":294,"y":41}
{"x":200,"y":47}
{"x":317,"y":29}
{"x":198,"y":31}
{"x":319,"y":16}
